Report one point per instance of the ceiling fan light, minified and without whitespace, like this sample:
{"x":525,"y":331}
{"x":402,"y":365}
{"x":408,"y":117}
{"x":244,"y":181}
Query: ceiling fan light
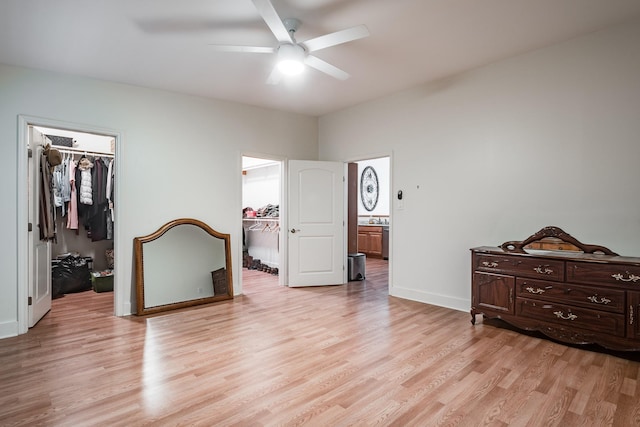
{"x":290,"y":59}
{"x":290,"y":67}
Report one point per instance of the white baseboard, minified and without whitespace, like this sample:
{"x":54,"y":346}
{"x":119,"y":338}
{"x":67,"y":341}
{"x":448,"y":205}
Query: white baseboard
{"x":459,"y":304}
{"x":123,"y":309}
{"x":8,"y":329}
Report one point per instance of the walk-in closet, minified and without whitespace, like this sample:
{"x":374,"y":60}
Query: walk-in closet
{"x":73,"y":210}
{"x":261,"y":215}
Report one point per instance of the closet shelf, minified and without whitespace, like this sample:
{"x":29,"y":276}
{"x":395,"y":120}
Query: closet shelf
{"x":71,"y":150}
{"x":261,"y":219}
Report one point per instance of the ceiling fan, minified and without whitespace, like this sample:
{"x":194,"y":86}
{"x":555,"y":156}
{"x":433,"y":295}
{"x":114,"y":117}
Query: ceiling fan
{"x":293,"y":55}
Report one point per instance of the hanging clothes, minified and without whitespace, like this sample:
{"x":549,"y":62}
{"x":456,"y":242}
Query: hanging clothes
{"x":65,"y":192}
{"x":72,"y":217}
{"x":46,"y":207}
{"x":99,"y":181}
{"x":110,"y":193}
{"x":61,"y":186}
{"x":85,"y":191}
{"x":99,"y":214}
{"x":86,"y":188}
{"x":56,"y":182}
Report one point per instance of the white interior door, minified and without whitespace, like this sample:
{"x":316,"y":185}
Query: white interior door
{"x":316,"y":223}
{"x":39,"y":279}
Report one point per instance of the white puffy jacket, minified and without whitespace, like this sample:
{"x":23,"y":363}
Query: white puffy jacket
{"x":86,"y":190}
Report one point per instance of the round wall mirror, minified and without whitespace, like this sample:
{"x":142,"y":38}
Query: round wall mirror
{"x":369,"y":188}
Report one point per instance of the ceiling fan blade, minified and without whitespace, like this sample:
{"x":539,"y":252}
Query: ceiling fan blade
{"x":325,"y":67}
{"x":343,"y":36}
{"x":243,"y":49}
{"x":274,"y":77}
{"x":273,"y":21}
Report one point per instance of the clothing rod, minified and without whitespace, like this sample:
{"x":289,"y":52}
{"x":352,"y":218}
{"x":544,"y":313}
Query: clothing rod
{"x":79,"y":151}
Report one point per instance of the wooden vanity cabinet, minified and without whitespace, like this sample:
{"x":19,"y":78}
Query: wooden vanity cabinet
{"x":572,"y":296}
{"x":370,"y":240}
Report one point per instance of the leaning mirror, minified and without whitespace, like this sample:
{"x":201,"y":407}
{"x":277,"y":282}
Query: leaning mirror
{"x":184,"y":263}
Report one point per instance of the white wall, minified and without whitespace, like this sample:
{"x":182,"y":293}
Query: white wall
{"x":546,"y":138}
{"x":180,"y":157}
{"x":261,"y":186}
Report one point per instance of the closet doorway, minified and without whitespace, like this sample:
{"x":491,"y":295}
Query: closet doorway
{"x":262,"y":258}
{"x":75,"y":260}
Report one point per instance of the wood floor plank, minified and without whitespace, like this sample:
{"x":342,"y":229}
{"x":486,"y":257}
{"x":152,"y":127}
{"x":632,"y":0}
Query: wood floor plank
{"x":321,"y":356}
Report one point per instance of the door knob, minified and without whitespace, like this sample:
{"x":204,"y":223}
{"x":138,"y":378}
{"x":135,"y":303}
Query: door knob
{"x":294,"y":230}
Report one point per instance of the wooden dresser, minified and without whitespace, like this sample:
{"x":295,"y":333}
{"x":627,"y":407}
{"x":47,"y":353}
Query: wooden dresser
{"x":584,"y":295}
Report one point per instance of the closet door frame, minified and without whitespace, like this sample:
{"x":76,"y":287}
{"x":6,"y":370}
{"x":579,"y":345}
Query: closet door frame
{"x":119,"y":288}
{"x":282,"y":236}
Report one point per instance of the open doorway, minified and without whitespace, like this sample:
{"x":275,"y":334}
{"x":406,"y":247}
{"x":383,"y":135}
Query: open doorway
{"x":263,"y":216}
{"x":369,"y":197}
{"x":261,"y":220}
{"x":67,"y":143}
{"x":81,"y":249}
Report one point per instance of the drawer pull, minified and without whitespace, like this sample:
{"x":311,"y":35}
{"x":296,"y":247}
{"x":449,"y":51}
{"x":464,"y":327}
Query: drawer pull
{"x":492,"y":264}
{"x":631,"y":314}
{"x":569,"y":316}
{"x":602,"y":300}
{"x":535,"y":291}
{"x":545,"y":270}
{"x":630,"y":277}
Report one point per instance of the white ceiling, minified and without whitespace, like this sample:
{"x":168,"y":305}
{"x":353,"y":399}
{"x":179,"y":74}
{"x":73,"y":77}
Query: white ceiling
{"x":164,"y":43}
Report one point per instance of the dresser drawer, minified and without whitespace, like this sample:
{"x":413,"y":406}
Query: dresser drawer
{"x":586,"y":296}
{"x":521,"y":266}
{"x":572,"y":317}
{"x":603,"y":274}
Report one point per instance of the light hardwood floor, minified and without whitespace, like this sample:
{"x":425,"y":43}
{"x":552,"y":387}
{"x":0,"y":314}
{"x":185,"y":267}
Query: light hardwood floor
{"x":326,"y":356}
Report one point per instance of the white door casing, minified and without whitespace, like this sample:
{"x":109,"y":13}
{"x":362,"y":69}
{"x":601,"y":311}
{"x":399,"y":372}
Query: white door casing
{"x":122,"y":304}
{"x":316,"y":223}
{"x":39,"y":270}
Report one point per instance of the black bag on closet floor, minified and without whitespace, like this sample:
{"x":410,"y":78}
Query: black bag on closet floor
{"x":70,"y":275}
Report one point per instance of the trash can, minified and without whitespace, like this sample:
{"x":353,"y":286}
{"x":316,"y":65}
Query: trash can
{"x":356,"y":266}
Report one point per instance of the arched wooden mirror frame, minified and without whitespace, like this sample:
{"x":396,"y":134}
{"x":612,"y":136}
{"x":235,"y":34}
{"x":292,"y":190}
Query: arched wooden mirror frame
{"x":221,"y":280}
